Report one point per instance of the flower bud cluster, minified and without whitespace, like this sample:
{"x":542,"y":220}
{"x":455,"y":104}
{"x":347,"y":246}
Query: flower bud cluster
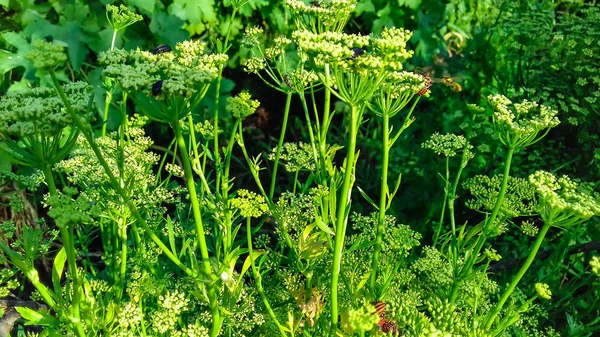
{"x":121,"y":17}
{"x":564,"y":202}
{"x":46,"y":55}
{"x":518,"y":201}
{"x":321,"y":15}
{"x":40,"y":111}
{"x":295,"y":157}
{"x":249,"y":204}
{"x":447,"y":145}
{"x":519,"y":124}
{"x":242,"y":105}
{"x":183,"y":72}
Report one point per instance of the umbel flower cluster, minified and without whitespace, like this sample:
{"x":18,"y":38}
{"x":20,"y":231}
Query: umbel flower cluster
{"x":321,"y":15}
{"x":182,"y":72}
{"x":520,"y":124}
{"x":40,"y":111}
{"x":564,"y":202}
{"x":345,"y":51}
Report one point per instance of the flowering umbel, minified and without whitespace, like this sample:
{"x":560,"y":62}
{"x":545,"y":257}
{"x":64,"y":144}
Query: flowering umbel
{"x":564,"y":202}
{"x":46,"y":55}
{"x":520,"y":124}
{"x":242,"y":105}
{"x":168,"y":85}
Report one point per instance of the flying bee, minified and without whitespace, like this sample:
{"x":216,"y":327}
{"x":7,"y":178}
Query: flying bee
{"x":160,"y":49}
{"x":157,"y":87}
{"x":380,"y":311}
{"x":445,"y":80}
{"x":451,"y":83}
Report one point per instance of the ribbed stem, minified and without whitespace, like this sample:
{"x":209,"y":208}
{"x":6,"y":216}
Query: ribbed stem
{"x":382,"y":202}
{"x":207,"y":268}
{"x":286,"y":113}
{"x":513,"y":284}
{"x":341,"y":221}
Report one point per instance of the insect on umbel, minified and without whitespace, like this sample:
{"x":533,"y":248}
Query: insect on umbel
{"x":356,"y":52}
{"x":157,"y":87}
{"x":160,"y":49}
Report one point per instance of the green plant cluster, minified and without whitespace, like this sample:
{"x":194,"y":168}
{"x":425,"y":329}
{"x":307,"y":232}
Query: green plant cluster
{"x":115,"y":229}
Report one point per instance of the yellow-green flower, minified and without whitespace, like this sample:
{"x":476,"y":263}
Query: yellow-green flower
{"x":543,"y":290}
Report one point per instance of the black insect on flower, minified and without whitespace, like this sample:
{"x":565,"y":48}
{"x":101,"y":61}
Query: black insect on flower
{"x":163,"y":48}
{"x":356,"y":52}
{"x":316,"y":3}
{"x":157,"y":87}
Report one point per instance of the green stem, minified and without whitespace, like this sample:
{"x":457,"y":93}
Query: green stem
{"x":382,"y":202}
{"x":513,"y":284}
{"x":191,"y":184}
{"x":216,"y":149}
{"x":502,"y":192}
{"x":258,"y":279}
{"x":87,"y":132}
{"x":470,"y":261}
{"x":114,"y":38}
{"x":107,"y":101}
{"x":286,"y":113}
{"x":31,"y":274}
{"x":310,"y":129}
{"x":444,"y":204}
{"x":340,"y":229}
{"x":66,"y":234}
{"x":123,"y":238}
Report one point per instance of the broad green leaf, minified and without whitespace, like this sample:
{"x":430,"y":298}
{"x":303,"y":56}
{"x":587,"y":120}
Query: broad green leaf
{"x":33,"y":317}
{"x":75,"y":38}
{"x":168,"y":28}
{"x":8,"y":60}
{"x":194,"y":11}
{"x":145,"y":6}
{"x":4,"y":3}
{"x":365,"y":7}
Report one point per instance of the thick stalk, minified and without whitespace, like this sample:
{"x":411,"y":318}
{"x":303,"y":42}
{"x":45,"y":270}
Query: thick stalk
{"x":114,"y":38}
{"x":87,"y":132}
{"x":340,"y":229}
{"x":258,"y":279}
{"x":503,"y":186}
{"x":286,"y":113}
{"x":123,"y":270}
{"x":513,"y":284}
{"x":382,"y":202}
{"x":191,"y":184}
{"x":490,"y":221}
{"x":66,"y":234}
{"x":216,"y":150}
{"x":225,"y":188}
{"x":107,"y":101}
